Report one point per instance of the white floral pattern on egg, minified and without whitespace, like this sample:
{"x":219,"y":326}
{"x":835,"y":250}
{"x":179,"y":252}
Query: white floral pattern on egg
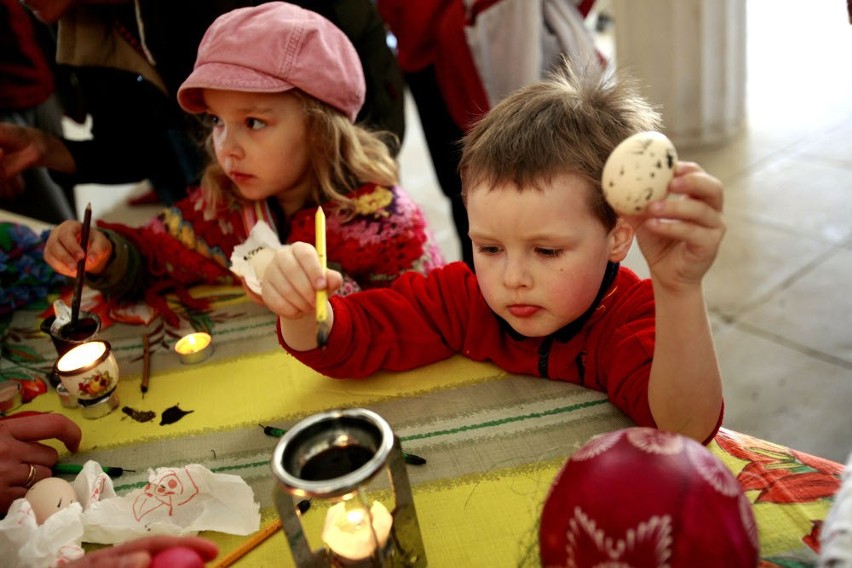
{"x":638,"y":172}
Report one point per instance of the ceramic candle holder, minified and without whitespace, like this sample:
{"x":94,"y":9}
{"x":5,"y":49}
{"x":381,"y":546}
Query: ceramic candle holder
{"x":66,"y":337}
{"x":89,"y":371}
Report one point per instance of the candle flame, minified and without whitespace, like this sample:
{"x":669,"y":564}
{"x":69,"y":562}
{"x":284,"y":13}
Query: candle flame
{"x":193,"y":343}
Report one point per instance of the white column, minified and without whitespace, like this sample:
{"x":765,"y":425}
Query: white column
{"x":689,"y":57}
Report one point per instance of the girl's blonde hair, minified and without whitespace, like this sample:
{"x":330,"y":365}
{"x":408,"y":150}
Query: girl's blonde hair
{"x":567,"y":123}
{"x":343,"y":156}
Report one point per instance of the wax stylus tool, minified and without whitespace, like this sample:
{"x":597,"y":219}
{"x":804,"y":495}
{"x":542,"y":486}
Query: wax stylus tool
{"x":73,"y":469}
{"x":146,"y":364}
{"x":81,"y":267}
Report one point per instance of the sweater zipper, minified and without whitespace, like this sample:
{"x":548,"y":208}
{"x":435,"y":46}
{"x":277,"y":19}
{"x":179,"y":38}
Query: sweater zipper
{"x":544,"y":356}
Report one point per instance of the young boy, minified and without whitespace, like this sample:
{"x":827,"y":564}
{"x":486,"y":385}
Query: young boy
{"x":549,"y":297}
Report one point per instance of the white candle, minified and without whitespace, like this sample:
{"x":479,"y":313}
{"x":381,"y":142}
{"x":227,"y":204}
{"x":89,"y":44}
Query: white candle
{"x":348,"y":534}
{"x":194,"y":348}
{"x":81,"y":357}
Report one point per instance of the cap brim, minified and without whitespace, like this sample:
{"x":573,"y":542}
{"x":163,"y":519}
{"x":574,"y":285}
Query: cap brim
{"x":225,"y":77}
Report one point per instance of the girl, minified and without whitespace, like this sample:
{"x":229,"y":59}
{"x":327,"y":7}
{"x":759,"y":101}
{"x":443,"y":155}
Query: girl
{"x":281,"y":86}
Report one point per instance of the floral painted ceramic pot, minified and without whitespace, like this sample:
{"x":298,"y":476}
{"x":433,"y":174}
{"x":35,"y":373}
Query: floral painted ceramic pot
{"x":88,"y":371}
{"x":641,"y":497}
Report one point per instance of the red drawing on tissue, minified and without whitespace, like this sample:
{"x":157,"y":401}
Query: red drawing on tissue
{"x":98,"y":488}
{"x":173,"y":488}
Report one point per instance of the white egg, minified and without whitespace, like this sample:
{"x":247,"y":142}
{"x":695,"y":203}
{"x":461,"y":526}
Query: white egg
{"x":259,"y":261}
{"x":50,"y":496}
{"x":638,"y":172}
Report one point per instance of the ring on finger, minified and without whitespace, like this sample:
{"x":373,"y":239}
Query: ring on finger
{"x":30,"y":477}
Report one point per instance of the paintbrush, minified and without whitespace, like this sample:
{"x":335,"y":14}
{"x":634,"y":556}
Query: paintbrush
{"x":81,"y":267}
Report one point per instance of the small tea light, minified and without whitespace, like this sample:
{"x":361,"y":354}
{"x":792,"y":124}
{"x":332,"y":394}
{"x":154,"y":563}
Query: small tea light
{"x":10,"y":396}
{"x":66,"y":399}
{"x":194,"y":348}
{"x":357,"y":534}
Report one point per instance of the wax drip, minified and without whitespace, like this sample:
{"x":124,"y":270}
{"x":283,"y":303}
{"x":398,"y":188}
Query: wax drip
{"x":139,"y":415}
{"x":173,"y":414}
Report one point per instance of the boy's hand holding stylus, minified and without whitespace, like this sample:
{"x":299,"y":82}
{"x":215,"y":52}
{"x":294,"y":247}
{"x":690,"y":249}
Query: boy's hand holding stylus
{"x":290,"y":284}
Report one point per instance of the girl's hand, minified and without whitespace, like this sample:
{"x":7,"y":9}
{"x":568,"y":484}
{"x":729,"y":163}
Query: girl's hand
{"x":680,"y":236}
{"x":292,"y":279}
{"x":63,"y":249}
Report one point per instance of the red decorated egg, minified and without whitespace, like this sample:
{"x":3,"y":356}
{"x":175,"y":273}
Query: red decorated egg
{"x":640,"y":497}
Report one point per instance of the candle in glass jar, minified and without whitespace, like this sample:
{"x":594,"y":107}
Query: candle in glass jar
{"x":194,"y":348}
{"x":348,"y":533}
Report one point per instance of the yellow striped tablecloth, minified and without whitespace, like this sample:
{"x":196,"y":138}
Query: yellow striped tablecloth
{"x":493,"y":441}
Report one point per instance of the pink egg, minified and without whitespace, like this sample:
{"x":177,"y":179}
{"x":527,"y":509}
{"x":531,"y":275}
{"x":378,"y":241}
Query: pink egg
{"x":178,"y":557}
{"x":641,"y":497}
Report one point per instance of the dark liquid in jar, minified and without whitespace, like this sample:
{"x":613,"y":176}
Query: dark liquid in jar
{"x":83,"y":329}
{"x":335,"y":462}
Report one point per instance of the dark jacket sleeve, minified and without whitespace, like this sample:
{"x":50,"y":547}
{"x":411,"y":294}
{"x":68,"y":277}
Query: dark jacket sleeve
{"x":360,"y":20}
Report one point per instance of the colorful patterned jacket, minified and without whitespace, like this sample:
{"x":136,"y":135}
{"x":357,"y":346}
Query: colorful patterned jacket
{"x":386,"y":237}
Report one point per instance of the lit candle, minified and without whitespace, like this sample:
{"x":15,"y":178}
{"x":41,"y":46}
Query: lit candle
{"x":88,"y":371}
{"x":78,"y":359}
{"x":194,"y":348}
{"x":349,"y":535}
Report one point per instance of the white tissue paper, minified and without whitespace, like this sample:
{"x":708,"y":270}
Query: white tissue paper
{"x":261,"y":237}
{"x":63,"y":316}
{"x":175,"y":501}
{"x":836,"y":533}
{"x":24,"y":544}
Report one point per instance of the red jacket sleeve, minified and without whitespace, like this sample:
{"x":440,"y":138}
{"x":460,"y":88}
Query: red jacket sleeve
{"x":417,"y":321}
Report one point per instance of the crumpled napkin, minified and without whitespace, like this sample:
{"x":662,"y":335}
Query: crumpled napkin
{"x":261,"y":236}
{"x":24,"y":544}
{"x":175,"y":501}
{"x":836,"y":533}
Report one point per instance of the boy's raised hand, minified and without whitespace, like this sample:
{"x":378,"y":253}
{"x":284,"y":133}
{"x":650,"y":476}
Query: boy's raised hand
{"x":63,"y":249}
{"x":680,"y":236}
{"x":292,"y":279}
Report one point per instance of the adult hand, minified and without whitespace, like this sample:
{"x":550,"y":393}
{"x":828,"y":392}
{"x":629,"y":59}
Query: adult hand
{"x":63,"y":249}
{"x":19,"y":151}
{"x":23,"y":147}
{"x":24,"y":460}
{"x":141,"y":552}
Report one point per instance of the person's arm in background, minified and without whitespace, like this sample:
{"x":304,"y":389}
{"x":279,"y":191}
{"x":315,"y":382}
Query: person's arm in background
{"x":23,"y":147}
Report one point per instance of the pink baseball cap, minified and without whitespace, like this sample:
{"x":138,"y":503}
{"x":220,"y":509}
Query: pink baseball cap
{"x":275,"y":47}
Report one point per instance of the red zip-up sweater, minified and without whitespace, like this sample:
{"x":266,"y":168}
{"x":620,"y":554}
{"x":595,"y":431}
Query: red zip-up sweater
{"x":424,"y":319}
